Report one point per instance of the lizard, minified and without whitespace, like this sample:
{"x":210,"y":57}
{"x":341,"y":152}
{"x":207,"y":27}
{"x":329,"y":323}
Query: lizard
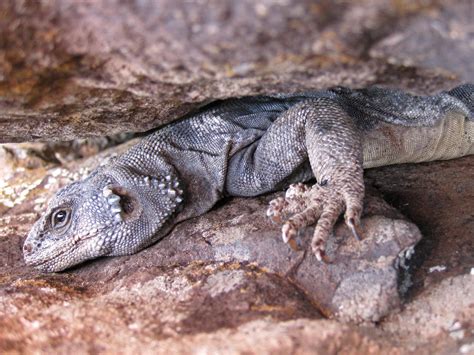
{"x":251,"y":146}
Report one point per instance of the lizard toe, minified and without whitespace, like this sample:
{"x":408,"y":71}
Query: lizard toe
{"x":325,"y":225}
{"x":275,"y":209}
{"x":296,"y":190}
{"x":295,"y":201}
{"x":354,"y":208}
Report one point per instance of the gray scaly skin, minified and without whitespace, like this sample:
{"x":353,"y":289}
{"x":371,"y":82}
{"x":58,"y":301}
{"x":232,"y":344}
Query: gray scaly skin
{"x":247,"y":147}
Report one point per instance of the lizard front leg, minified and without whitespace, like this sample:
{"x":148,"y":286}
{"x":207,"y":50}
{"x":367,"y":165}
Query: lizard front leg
{"x":334,"y":150}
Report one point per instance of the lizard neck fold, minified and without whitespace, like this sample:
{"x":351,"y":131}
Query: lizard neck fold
{"x":199,"y":172}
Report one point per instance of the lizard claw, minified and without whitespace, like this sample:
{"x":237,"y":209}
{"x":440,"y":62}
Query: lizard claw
{"x":320,"y":206}
{"x":321,"y":256}
{"x":353,"y":227}
{"x":288,"y":231}
{"x":274,"y":211}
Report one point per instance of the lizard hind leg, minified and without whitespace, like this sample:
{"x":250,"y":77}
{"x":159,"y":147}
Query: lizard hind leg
{"x":335,"y":153}
{"x":334,"y":150}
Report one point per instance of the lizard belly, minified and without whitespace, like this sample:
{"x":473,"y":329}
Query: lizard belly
{"x":449,"y":138}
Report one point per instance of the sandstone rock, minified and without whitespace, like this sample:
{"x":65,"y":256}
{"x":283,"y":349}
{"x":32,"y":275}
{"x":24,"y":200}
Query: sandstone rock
{"x":73,"y":69}
{"x":444,"y":39}
{"x":360,"y":284}
{"x":446,"y":308}
{"x":225,"y":282}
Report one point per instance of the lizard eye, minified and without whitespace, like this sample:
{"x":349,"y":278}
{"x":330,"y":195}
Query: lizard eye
{"x":60,"y":218}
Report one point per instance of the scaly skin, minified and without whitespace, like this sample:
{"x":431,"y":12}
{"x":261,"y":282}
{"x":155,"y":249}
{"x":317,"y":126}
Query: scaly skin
{"x":248,"y":147}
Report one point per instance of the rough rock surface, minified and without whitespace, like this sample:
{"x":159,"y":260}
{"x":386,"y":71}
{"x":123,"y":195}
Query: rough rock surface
{"x":224,"y":282}
{"x":431,"y":41}
{"x":72,"y":69}
{"x":360,"y":283}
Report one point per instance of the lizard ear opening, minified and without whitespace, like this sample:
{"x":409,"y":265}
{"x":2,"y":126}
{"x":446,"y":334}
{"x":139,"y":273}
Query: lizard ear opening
{"x":127,"y":202}
{"x":123,"y":201}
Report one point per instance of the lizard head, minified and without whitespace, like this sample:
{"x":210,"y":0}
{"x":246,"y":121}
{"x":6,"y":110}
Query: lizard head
{"x":112,"y":212}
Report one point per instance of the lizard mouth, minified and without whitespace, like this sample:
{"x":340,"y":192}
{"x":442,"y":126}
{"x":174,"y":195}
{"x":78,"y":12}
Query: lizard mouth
{"x":48,"y":265}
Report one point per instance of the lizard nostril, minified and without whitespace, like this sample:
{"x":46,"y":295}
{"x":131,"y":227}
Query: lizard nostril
{"x":27,"y":248}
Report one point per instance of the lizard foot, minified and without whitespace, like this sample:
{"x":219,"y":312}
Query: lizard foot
{"x":303,"y":206}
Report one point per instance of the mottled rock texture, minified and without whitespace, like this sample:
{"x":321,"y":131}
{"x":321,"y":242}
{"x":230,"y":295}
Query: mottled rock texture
{"x":360,"y":283}
{"x":77,"y":68}
{"x":224,"y":282}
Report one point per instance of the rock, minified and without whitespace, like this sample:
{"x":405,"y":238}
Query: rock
{"x":133,"y":313}
{"x":225,"y":282}
{"x":446,"y":307}
{"x":439,"y":198}
{"x":80,"y":69}
{"x":270,"y":337}
{"x":34,"y":155}
{"x":442,"y":40}
{"x":360,"y":284}
{"x":181,"y":310}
